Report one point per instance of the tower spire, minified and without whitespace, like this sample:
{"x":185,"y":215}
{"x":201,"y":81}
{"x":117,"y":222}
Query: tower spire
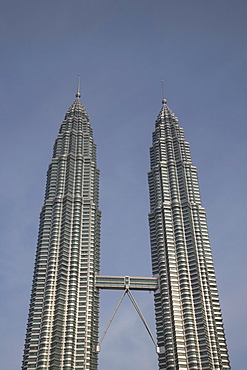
{"x":164,"y":101}
{"x":78,"y":94}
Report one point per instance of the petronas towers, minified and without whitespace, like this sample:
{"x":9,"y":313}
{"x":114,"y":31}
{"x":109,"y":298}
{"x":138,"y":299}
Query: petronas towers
{"x":188,"y":317}
{"x":63,"y":318}
{"x":63,"y":321}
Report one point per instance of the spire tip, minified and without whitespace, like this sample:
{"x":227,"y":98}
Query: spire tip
{"x":164,"y":101}
{"x":78,"y":94}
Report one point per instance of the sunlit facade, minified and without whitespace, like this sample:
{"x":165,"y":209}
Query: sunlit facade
{"x":189,"y":325}
{"x":63,"y":321}
{"x":62,"y":331}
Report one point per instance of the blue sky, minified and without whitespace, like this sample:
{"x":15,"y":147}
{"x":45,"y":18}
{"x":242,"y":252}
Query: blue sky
{"x":123,"y":49}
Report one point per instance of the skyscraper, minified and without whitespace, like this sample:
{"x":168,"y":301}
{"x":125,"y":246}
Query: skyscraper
{"x":188,"y":317}
{"x":63,"y":321}
{"x":62,"y":330}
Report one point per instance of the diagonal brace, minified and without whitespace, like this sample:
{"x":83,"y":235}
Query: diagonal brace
{"x":113,"y":315}
{"x":132,"y":299}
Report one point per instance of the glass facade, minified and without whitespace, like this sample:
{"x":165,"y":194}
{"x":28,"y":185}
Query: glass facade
{"x":63,"y":321}
{"x":189,"y":325}
{"x":62,"y":331}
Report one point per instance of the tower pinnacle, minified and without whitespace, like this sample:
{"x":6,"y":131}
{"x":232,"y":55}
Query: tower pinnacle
{"x":164,"y":101}
{"x":78,"y":94}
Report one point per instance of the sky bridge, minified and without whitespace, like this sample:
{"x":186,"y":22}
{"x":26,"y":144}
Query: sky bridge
{"x":126,"y":282}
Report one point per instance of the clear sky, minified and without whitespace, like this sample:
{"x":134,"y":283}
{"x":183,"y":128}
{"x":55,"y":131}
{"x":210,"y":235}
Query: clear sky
{"x":123,"y":49}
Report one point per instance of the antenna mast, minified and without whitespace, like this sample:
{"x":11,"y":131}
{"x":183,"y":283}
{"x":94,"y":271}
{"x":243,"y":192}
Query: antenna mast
{"x":78,"y":94}
{"x":164,"y":101}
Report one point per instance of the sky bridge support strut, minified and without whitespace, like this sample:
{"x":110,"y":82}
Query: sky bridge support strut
{"x":127,"y":283}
